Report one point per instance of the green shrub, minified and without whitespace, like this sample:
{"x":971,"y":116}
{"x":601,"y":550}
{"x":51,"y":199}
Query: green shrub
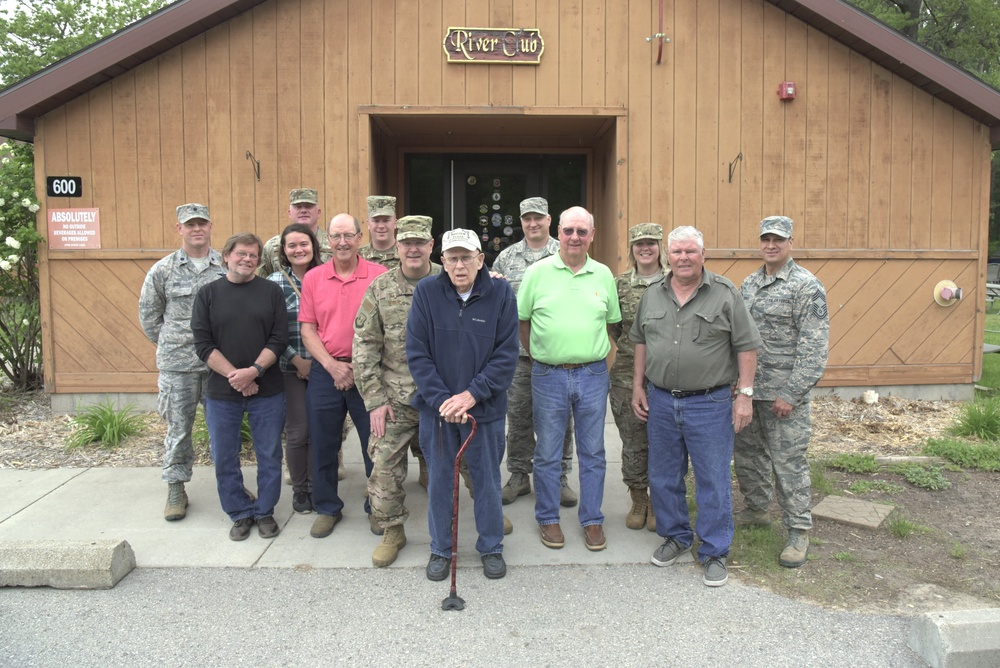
{"x":854,"y":463}
{"x":979,"y":419}
{"x":981,"y":456}
{"x":925,"y":477}
{"x":103,"y":423}
{"x":203,"y":440}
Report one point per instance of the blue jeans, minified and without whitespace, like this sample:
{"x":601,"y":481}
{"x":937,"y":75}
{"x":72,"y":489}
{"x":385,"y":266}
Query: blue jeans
{"x":267,"y":420}
{"x":556,"y":394}
{"x":440,"y":442}
{"x":327,"y":409}
{"x":699,"y":428}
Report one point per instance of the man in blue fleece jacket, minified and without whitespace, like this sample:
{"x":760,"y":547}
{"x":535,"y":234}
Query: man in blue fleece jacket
{"x":461,"y":346}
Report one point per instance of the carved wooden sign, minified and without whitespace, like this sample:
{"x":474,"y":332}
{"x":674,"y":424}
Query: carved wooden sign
{"x":516,"y":46}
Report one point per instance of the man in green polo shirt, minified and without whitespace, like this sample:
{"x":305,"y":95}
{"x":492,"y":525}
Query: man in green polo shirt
{"x":565,"y":305}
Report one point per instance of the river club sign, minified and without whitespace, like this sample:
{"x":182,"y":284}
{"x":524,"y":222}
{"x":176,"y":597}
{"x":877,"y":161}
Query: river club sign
{"x":516,"y":46}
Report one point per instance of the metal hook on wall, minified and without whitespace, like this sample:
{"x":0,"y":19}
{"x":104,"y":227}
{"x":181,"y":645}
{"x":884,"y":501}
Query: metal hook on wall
{"x":732,"y":165}
{"x":256,"y":164}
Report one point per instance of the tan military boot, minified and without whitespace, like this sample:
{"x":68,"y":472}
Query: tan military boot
{"x":341,"y":469}
{"x":508,"y":526}
{"x":467,"y":477}
{"x":748,"y":517}
{"x":177,"y":502}
{"x":517,"y":485}
{"x":636,"y":517}
{"x":650,"y":517}
{"x":795,"y":553}
{"x":393,"y":540}
{"x":422,"y":476}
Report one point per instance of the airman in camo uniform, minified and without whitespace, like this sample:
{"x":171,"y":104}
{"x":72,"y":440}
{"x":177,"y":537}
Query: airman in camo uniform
{"x":303,"y":207}
{"x":382,"y":247}
{"x":511,"y":264}
{"x":165,"y":305}
{"x":647,"y":262}
{"x":788,"y":304}
{"x":383,"y":378}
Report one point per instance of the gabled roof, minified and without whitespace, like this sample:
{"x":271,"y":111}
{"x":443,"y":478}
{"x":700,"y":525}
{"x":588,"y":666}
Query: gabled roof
{"x":144,"y":40}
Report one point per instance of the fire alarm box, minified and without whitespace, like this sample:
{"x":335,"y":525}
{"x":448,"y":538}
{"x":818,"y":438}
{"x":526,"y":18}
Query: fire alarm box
{"x":786,"y":91}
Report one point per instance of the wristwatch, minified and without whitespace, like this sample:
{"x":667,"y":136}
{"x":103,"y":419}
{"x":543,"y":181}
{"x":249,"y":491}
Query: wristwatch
{"x":260,"y":371}
{"x":748,"y":391}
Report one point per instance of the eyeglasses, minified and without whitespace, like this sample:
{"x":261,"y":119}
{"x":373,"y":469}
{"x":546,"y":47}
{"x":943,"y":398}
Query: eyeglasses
{"x":243,"y":255}
{"x":578,"y":231}
{"x":347,"y":236}
{"x":465,"y":260}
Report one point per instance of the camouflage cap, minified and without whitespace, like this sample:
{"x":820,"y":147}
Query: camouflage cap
{"x":645,"y":231}
{"x":381,"y":205}
{"x":414,"y":227}
{"x":535,"y":205}
{"x":459,"y":238}
{"x":303,"y":196}
{"x":779,"y":225}
{"x":186,"y":212}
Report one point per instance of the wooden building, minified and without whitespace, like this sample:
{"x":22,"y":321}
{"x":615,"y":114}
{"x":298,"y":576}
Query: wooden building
{"x":882,"y":157}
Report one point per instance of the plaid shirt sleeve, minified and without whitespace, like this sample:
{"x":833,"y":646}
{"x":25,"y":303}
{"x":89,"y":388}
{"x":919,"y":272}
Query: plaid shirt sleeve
{"x":295,"y":346}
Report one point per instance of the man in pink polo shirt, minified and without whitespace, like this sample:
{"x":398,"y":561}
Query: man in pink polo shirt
{"x":331,"y":295}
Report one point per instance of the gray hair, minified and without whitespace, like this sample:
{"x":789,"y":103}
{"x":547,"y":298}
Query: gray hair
{"x":577,"y":210}
{"x":686,"y":233}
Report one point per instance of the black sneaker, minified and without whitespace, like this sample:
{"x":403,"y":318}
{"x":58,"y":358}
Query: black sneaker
{"x":241,"y":529}
{"x":494,"y":566}
{"x":302,"y":502}
{"x":267,"y":527}
{"x":438,"y":567}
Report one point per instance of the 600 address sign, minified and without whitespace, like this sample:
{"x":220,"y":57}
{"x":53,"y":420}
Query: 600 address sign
{"x":64,"y":186}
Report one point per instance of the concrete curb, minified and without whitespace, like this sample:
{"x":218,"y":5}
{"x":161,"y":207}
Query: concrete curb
{"x":958,"y":638}
{"x":93,"y":564}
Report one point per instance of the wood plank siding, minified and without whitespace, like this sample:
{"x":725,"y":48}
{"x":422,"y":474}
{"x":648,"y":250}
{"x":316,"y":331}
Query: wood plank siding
{"x":888,"y":186}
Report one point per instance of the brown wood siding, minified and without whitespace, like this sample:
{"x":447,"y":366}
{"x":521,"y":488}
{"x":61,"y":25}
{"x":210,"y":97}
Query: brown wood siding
{"x":862,"y":161}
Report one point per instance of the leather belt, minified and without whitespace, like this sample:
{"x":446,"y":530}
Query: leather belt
{"x":342,"y":359}
{"x":571,"y":366}
{"x":683,"y":394}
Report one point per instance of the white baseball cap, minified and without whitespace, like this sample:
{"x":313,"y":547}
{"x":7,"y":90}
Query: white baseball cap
{"x":460,"y":238}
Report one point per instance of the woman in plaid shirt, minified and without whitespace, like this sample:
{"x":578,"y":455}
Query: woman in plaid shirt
{"x":299,"y":252}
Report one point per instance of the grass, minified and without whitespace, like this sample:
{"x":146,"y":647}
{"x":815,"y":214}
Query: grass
{"x":980,"y":456}
{"x":854,"y":463}
{"x":759,"y":547}
{"x":979,"y":419}
{"x":845,"y":557}
{"x":925,"y":477}
{"x":103,"y":423}
{"x":902,"y":527}
{"x":865,"y":486}
{"x":991,"y":363}
{"x":958,"y":551}
{"x":821,"y":483}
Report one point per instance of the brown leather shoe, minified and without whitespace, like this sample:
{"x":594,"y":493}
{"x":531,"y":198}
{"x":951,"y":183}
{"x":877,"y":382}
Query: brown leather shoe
{"x":593,"y":536}
{"x":552,"y":536}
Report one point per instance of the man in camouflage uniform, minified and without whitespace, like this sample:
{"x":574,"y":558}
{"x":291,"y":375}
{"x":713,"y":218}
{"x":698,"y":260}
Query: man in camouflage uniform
{"x":382,"y":246}
{"x":511,"y":264}
{"x":647,"y":264}
{"x":788,"y":304}
{"x":165,"y":305}
{"x":383,"y":377}
{"x":303,"y":207}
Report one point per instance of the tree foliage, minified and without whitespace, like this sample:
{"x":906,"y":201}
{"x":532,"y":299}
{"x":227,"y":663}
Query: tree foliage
{"x":966,"y":32}
{"x":37,"y":33}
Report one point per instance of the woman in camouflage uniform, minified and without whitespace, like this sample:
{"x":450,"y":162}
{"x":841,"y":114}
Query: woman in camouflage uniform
{"x":647,"y":264}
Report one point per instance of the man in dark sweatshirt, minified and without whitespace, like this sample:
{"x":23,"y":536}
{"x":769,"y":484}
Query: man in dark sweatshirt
{"x":240,"y":328}
{"x":461,"y":346}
